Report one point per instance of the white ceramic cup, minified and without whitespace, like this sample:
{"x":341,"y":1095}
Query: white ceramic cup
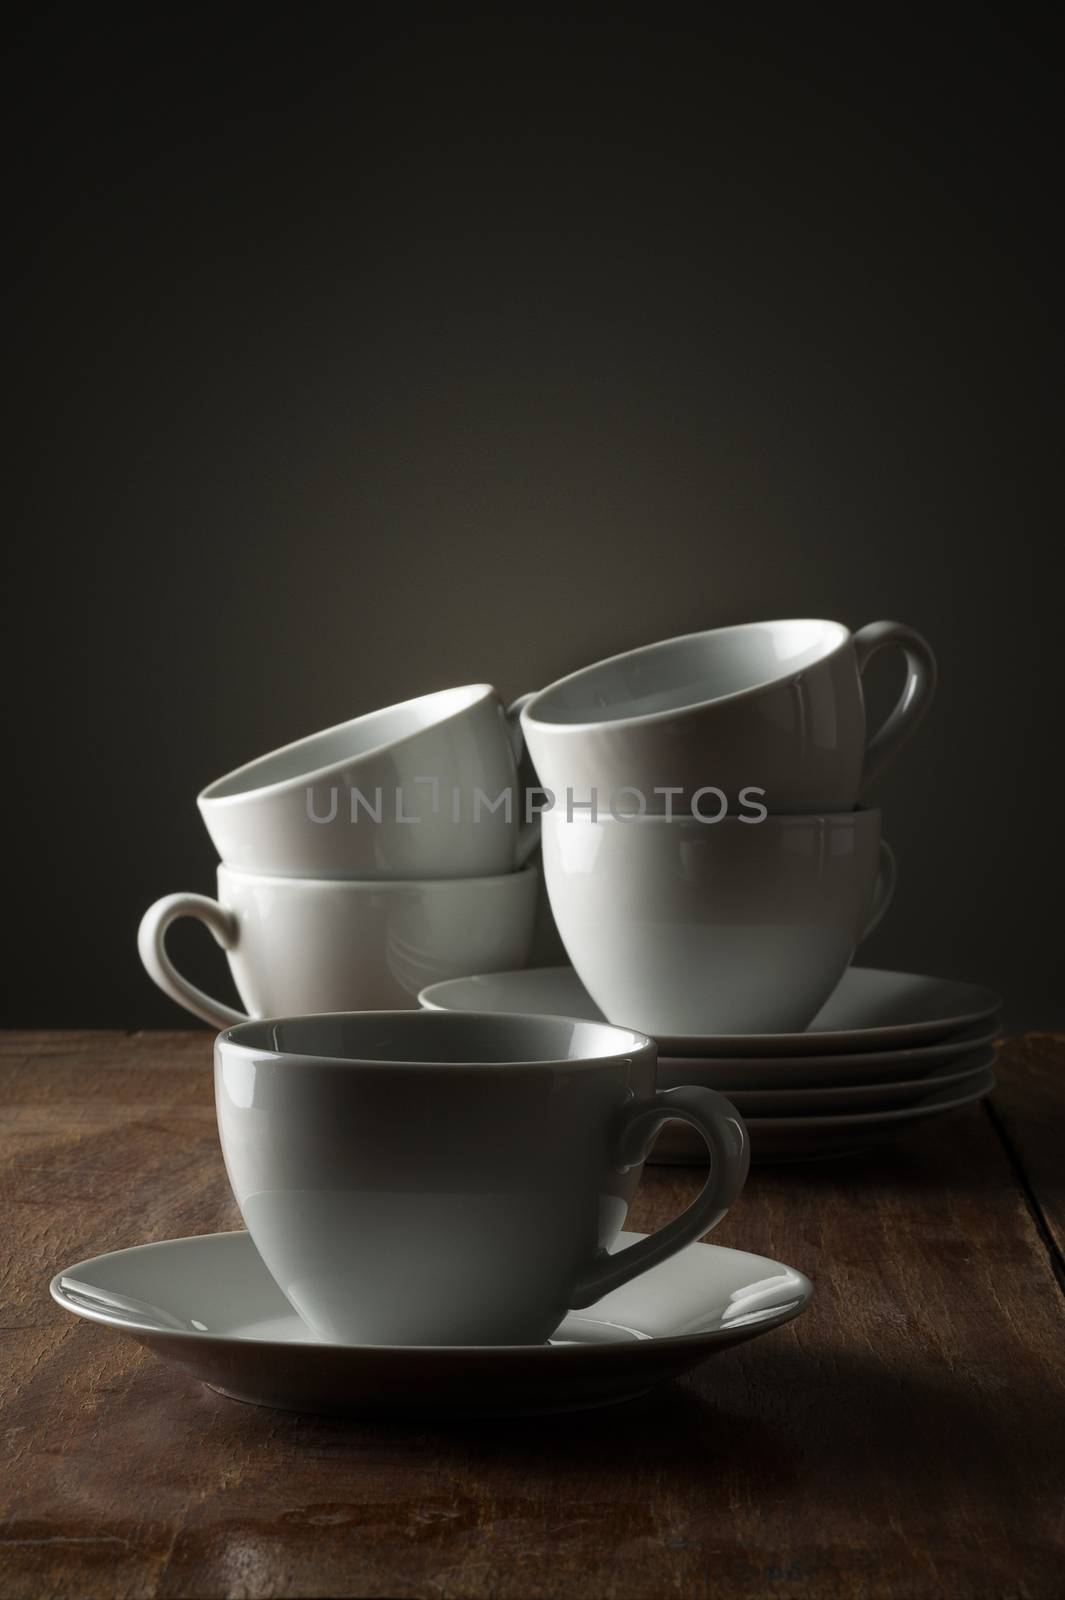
{"x":681,"y":927}
{"x":776,"y":706}
{"x":425,"y":789}
{"x":445,"y":1178}
{"x":304,"y":944}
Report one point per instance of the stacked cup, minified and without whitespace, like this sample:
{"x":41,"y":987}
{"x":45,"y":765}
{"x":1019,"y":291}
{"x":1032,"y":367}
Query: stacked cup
{"x":707,"y":867}
{"x":363,"y":862}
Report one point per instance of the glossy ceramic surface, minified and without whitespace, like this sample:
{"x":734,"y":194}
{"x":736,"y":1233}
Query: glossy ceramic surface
{"x":418,"y":768}
{"x":445,"y":1178}
{"x":842,"y":1070}
{"x":301,"y":944}
{"x":807,"y":1100}
{"x":690,"y":927}
{"x":209,"y":1307}
{"x":534,"y":992}
{"x":871,"y":1009}
{"x":777,"y":705}
{"x":807,"y":1138}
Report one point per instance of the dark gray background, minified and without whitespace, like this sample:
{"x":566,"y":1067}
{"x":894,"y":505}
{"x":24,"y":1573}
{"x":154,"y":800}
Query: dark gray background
{"x":357,"y":359}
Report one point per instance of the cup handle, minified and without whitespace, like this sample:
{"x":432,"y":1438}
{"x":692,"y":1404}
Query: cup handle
{"x":529,"y":831}
{"x":912,"y":703}
{"x":151,"y":943}
{"x":885,"y":888}
{"x":730,"y":1154}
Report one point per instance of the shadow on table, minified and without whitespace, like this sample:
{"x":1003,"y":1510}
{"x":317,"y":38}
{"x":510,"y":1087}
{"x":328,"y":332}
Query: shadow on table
{"x":963,"y":1153}
{"x":832,"y":1418}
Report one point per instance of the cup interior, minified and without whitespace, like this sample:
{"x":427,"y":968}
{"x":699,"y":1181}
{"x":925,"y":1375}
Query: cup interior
{"x":437,"y":1038}
{"x":687,"y":671}
{"x":348,"y":741}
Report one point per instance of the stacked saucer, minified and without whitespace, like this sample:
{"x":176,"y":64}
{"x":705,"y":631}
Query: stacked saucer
{"x":887,"y":1051}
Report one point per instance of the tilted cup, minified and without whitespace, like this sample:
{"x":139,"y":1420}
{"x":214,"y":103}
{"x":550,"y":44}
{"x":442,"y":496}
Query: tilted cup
{"x":305,"y":944}
{"x":414,"y":1178}
{"x":678,"y":926}
{"x":424,"y":789}
{"x":772,"y":706}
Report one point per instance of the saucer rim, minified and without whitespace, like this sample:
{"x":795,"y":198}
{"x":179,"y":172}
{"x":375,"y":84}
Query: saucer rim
{"x":966,"y":1039}
{"x":924,"y":1088}
{"x":931,"y":1107}
{"x":804,"y":1295}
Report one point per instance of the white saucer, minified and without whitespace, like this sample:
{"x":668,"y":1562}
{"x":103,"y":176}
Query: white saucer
{"x":841,"y":1068}
{"x":810,"y":1138}
{"x":209,"y":1306}
{"x":870,"y":1009}
{"x":832,"y":1099}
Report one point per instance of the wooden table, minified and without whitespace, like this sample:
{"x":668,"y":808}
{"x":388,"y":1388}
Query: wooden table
{"x":906,"y":1437}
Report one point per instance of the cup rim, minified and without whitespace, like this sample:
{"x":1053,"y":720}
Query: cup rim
{"x":641,"y":1047}
{"x":529,"y":718}
{"x":476,"y":692}
{"x":284,"y":879}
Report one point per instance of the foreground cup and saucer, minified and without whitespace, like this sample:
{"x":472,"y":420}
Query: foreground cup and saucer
{"x":208,"y":1306}
{"x":435,"y":1206}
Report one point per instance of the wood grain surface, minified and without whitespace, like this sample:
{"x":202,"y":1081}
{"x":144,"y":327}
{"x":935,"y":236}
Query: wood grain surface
{"x":906,"y":1437}
{"x":1028,"y":1110}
